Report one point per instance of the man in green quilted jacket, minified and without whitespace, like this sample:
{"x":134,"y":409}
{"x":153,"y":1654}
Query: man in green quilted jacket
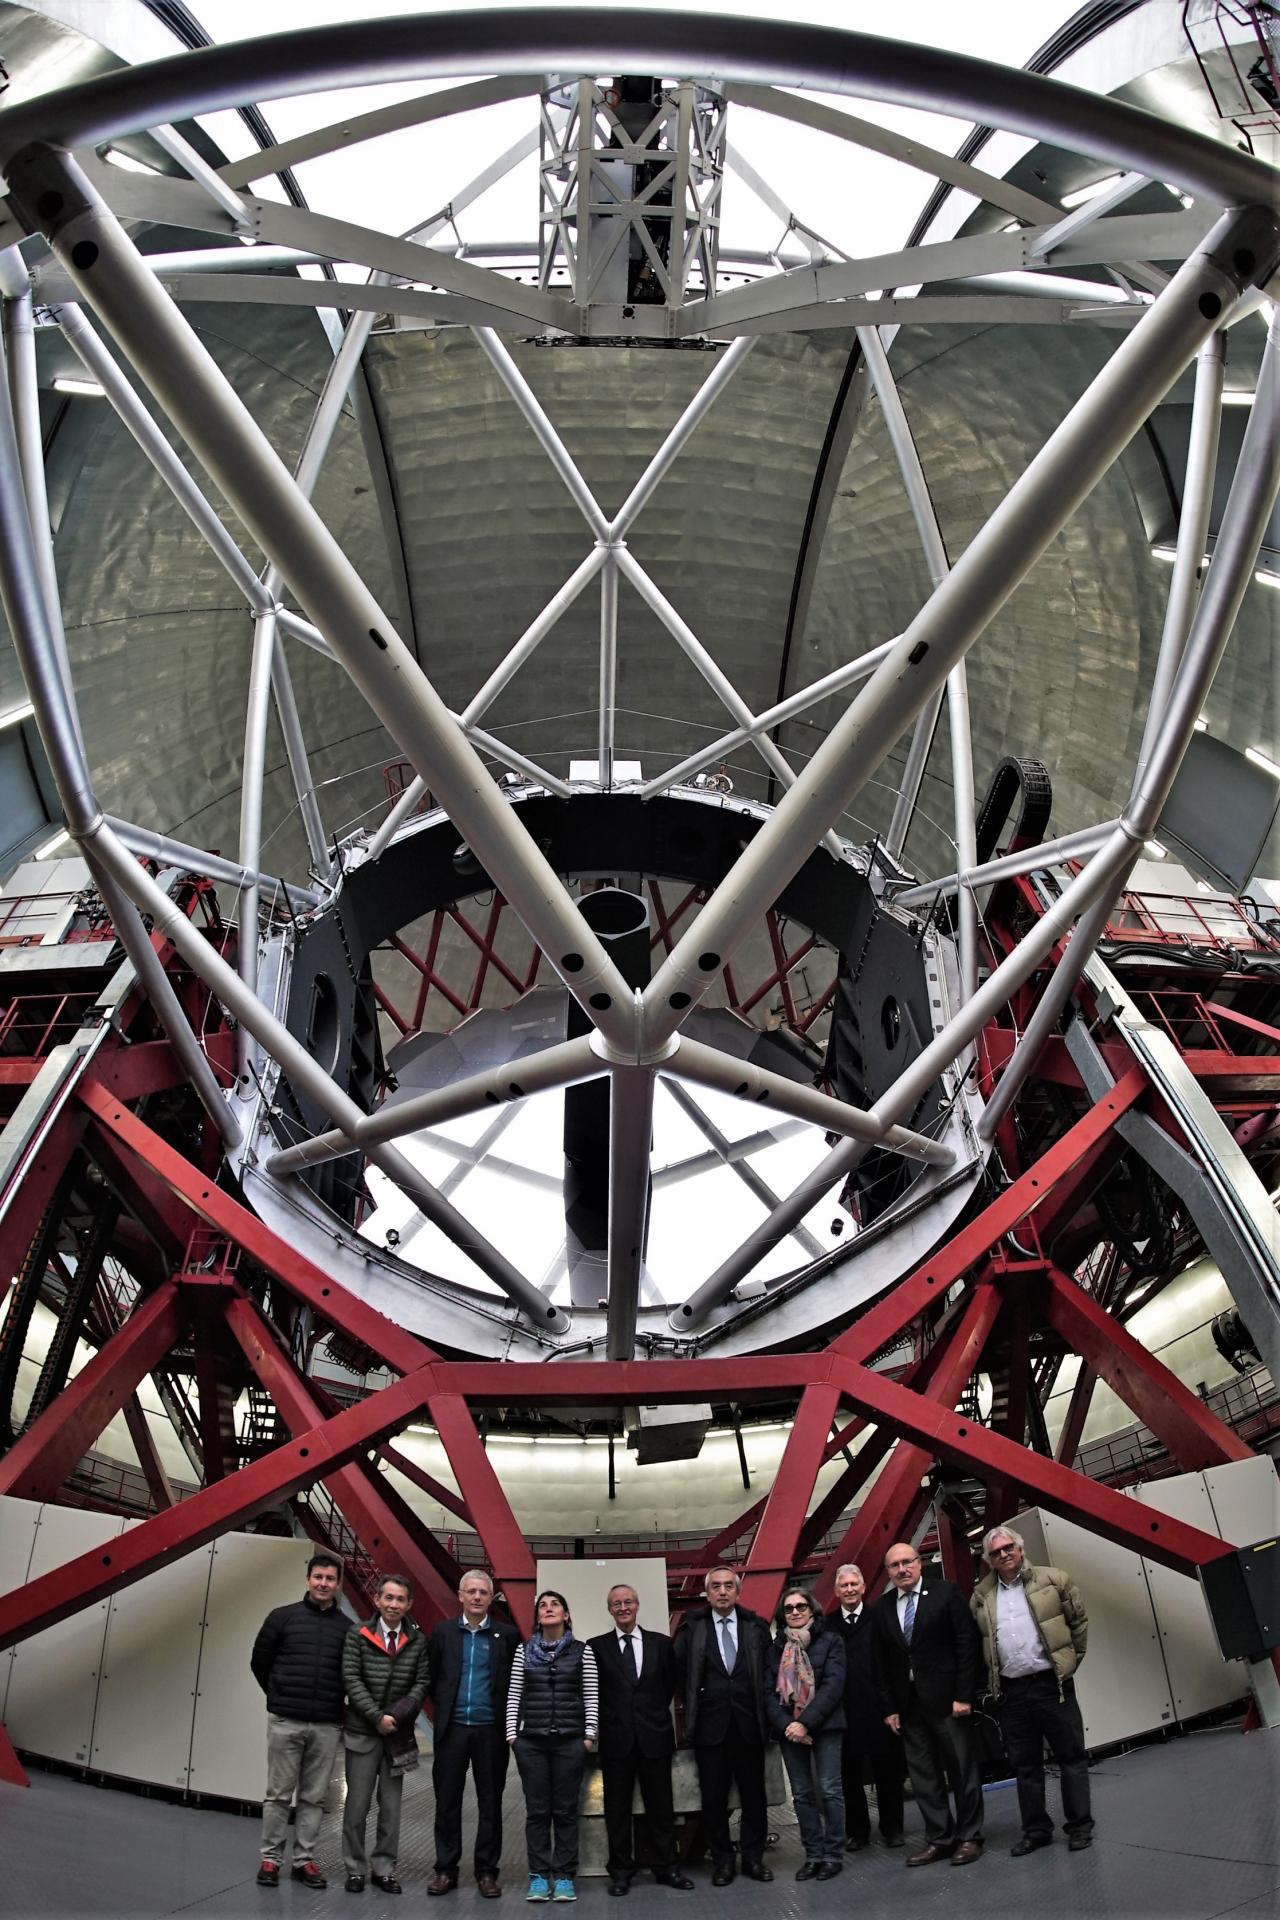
{"x":386,"y":1671}
{"x":1034,"y":1632}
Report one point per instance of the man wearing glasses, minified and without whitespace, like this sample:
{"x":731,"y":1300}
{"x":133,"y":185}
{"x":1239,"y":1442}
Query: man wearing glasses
{"x":924,"y":1656}
{"x":1034,"y":1631}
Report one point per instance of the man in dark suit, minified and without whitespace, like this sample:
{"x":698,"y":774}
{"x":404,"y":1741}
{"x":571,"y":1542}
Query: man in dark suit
{"x":924,"y":1656}
{"x":866,"y":1737}
{"x":471,"y":1658}
{"x":637,"y":1673}
{"x":720,"y":1652}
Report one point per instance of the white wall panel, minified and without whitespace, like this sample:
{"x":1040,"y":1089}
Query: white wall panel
{"x":17,"y":1537}
{"x":249,"y":1576}
{"x":54,"y":1681}
{"x":1122,"y":1686}
{"x":584,"y":1584}
{"x":1245,"y":1497}
{"x":1199,"y":1677}
{"x":147,"y":1691}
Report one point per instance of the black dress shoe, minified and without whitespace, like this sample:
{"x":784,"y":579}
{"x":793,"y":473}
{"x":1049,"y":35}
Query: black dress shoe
{"x":386,"y":1883}
{"x":756,"y":1870}
{"x":1077,"y":1842}
{"x":618,"y":1887}
{"x":355,"y":1883}
{"x":723,"y":1875}
{"x":855,"y":1846}
{"x":672,"y":1877}
{"x":1031,"y":1843}
{"x":828,"y":1870}
{"x":809,"y":1871}
{"x":892,"y":1840}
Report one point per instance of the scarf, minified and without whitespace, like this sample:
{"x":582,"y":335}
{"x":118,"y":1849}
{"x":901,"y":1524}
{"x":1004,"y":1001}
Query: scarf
{"x":544,"y":1653}
{"x":795,"y":1687}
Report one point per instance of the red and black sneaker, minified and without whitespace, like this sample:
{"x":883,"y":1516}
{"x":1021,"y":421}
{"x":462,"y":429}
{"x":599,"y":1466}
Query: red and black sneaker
{"x":269,"y":1873}
{"x":309,"y":1873}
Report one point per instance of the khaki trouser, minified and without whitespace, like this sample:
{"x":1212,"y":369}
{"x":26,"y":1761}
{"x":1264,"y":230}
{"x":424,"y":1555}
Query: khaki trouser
{"x":300,"y":1757}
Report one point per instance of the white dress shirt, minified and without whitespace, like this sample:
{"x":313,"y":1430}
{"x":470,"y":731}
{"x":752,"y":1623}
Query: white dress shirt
{"x":918,"y":1590}
{"x":1018,"y":1643}
{"x":850,"y":1617}
{"x":637,"y":1647}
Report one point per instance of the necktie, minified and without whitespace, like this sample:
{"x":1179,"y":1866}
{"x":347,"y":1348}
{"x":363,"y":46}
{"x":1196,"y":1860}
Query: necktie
{"x":631,"y":1655}
{"x":391,"y":1639}
{"x":728,"y":1646}
{"x":909,"y":1618}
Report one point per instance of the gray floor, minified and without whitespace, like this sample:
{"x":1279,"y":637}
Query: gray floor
{"x":1188,"y":1830}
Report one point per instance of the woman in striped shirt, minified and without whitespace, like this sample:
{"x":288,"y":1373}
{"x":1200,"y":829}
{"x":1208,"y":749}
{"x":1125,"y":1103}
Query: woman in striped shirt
{"x":552,"y":1716}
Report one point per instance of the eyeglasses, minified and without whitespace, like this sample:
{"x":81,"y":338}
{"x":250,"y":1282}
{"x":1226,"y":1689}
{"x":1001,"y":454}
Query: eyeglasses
{"x":999,"y":1553}
{"x":797,"y":1606}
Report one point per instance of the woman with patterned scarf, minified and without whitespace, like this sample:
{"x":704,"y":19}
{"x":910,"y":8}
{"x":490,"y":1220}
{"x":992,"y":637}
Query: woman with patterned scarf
{"x":552,"y":1716}
{"x":805,"y":1701}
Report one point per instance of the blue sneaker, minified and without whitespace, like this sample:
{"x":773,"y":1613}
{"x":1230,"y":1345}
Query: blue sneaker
{"x":539,"y":1888}
{"x":564,"y":1890}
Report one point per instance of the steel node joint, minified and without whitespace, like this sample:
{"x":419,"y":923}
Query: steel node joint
{"x":638,"y":1054}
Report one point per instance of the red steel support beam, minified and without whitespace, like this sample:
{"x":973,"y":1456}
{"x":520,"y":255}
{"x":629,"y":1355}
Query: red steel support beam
{"x":37,"y":1464}
{"x":333,"y":1303}
{"x":773,"y":1550}
{"x":1077,"y":1413}
{"x":953,"y":1436}
{"x":885,"y":1514}
{"x":1194,"y":1436}
{"x":31,"y":1189}
{"x":144,"y":1445}
{"x":11,"y":1768}
{"x":426,"y":1482}
{"x":388,"y":1541}
{"x":833,"y":1503}
{"x":1038,"y":1186}
{"x":166,"y":1537}
{"x":506,"y":1548}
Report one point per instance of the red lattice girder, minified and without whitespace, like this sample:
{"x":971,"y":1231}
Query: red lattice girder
{"x":888,"y":1510}
{"x":510,"y":1560}
{"x":773,"y":1551}
{"x":205,"y":1198}
{"x":31,"y":1188}
{"x":390,"y":1544}
{"x":1193,"y":1434}
{"x":37,"y":1464}
{"x":1047,"y":1186}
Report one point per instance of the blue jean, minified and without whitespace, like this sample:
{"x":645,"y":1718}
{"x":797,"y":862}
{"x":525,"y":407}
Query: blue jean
{"x":814,"y":1773}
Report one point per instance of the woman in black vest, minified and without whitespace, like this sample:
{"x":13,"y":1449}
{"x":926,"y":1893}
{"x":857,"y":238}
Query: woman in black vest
{"x":552,"y":1715}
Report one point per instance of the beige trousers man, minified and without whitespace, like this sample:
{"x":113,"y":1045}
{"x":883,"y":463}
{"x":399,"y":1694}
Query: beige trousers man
{"x":300,"y":1757}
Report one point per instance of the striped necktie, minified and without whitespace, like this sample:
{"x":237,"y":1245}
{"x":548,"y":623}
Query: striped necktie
{"x":909,"y":1618}
{"x":728,"y":1646}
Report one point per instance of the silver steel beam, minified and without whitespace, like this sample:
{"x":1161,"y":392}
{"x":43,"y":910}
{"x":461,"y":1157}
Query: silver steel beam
{"x":252,"y":774}
{"x":178,"y":853}
{"x":1193,"y":531}
{"x":204,"y":176}
{"x":719,"y":682}
{"x":741,"y":1079}
{"x":1254,"y":492}
{"x":860,"y":669}
{"x":535,"y":633}
{"x":740,"y":1163}
{"x":228,"y":442}
{"x":1073,"y":459}
{"x":630,"y":1145}
{"x":755,"y":52}
{"x":548,"y":439}
{"x":1049,"y":853}
{"x":566,"y":1065}
{"x":311,"y":1079}
{"x":31,"y":629}
{"x":608,"y":669}
{"x":683,"y":430}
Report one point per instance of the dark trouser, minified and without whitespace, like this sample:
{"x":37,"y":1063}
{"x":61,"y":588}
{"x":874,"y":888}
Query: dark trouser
{"x":619,"y":1774}
{"x":1030,"y":1714}
{"x":551,"y":1774}
{"x":484,"y":1750}
{"x":365,"y":1771}
{"x":814,"y":1773}
{"x":886,"y":1771}
{"x":718,"y":1767}
{"x":939,"y":1750}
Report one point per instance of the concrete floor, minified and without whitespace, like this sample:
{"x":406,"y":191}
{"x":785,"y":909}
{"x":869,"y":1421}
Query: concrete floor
{"x":1187,"y":1830}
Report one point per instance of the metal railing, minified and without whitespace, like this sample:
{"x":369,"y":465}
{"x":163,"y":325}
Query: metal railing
{"x":1249,"y":1405}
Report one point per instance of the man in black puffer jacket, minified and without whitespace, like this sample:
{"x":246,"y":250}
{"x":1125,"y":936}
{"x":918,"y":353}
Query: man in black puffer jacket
{"x":297,"y":1661}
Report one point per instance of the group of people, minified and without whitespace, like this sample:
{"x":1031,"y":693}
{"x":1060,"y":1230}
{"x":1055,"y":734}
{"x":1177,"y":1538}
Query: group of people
{"x":886,"y":1690}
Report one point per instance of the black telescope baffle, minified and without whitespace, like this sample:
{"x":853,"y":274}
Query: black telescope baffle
{"x":621,"y":921}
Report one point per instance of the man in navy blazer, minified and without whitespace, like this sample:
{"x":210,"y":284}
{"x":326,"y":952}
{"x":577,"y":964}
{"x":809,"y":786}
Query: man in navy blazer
{"x":637,"y":1678}
{"x":471,"y":1656}
{"x":924,"y":1657}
